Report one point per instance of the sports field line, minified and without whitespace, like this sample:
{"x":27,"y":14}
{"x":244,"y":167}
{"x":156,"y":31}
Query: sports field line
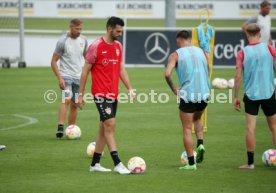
{"x":29,"y":121}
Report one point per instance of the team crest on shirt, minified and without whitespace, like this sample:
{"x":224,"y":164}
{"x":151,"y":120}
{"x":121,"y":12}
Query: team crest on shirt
{"x":108,"y":110}
{"x":117,"y":52}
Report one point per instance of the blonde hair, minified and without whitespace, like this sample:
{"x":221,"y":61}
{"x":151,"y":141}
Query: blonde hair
{"x":253,"y":29}
{"x":75,"y":22}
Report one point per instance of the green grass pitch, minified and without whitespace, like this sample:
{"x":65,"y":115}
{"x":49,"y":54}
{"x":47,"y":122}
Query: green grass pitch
{"x":36,"y":162}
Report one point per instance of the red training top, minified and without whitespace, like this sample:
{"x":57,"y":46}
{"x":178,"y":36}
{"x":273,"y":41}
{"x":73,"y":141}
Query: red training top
{"x":106,"y":60}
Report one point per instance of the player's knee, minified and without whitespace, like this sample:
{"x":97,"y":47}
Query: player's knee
{"x":109,"y":125}
{"x":67,"y":102}
{"x":74,"y":105}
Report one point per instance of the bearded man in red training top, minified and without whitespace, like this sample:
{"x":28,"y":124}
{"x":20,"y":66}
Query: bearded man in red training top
{"x":104,"y":61}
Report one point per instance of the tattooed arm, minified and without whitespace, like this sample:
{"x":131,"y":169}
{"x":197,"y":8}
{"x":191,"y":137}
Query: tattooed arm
{"x":170,"y":66}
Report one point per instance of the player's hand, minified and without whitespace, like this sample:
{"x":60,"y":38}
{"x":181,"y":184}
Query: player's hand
{"x":61,"y":84}
{"x":237,"y":104}
{"x":132,"y":93}
{"x":80,"y":101}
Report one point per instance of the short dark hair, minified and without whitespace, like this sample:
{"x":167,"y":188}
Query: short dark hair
{"x":183,"y":34}
{"x":265,"y":3}
{"x":253,"y":29}
{"x":76,"y":22}
{"x":113,"y":21}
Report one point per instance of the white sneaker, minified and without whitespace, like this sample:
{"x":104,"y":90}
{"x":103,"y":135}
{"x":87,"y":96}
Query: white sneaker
{"x":121,"y":169}
{"x":98,"y":168}
{"x":2,"y":147}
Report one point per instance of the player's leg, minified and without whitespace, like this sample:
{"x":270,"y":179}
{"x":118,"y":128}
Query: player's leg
{"x":61,"y":117}
{"x":73,"y":106}
{"x":251,"y":111}
{"x":269,"y":109}
{"x":187,"y":123}
{"x":72,"y":113}
{"x":200,"y":107}
{"x":271,"y":120}
{"x":107,"y":109}
{"x":100,"y":143}
{"x":66,"y":100}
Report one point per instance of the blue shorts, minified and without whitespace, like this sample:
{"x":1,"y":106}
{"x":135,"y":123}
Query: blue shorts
{"x":72,"y":86}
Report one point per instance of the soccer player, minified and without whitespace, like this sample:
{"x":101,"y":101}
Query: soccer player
{"x":70,"y":52}
{"x":257,"y":63}
{"x":192,"y":70}
{"x":263,"y":20}
{"x":104,"y":61}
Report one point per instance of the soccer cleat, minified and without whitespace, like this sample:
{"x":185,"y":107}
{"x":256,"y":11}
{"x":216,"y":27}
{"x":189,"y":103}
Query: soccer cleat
{"x":121,"y":169}
{"x":2,"y":147}
{"x":59,"y":133}
{"x":200,"y":153}
{"x":98,"y":168}
{"x":188,"y":167}
{"x":250,"y":167}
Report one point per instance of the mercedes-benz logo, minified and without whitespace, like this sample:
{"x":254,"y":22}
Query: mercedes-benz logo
{"x":157,"y":47}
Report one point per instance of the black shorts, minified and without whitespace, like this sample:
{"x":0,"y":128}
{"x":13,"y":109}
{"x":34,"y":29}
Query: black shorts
{"x":107,"y":107}
{"x":191,"y":107}
{"x":268,"y":105}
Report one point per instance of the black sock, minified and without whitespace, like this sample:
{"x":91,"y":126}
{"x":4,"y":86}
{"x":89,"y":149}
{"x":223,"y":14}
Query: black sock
{"x":96,"y":158}
{"x":199,"y":142}
{"x":250,"y":157}
{"x":191,"y":160}
{"x":60,"y":127}
{"x":115,"y":157}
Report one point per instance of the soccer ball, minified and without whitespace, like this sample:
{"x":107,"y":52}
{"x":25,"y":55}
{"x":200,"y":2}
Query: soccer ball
{"x":91,"y":149}
{"x":136,"y":165}
{"x":231,"y":83}
{"x":223,"y":83}
{"x":269,"y":157}
{"x":184,"y":157}
{"x":215,"y":82}
{"x":73,"y":132}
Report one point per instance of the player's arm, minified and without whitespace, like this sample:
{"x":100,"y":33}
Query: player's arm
{"x":170,"y":66}
{"x":54,"y":66}
{"x":244,"y":26}
{"x":250,"y":20}
{"x":238,"y":78}
{"x":85,"y":71}
{"x":270,"y":40}
{"x":125,"y":79}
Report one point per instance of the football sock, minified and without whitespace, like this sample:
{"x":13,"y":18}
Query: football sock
{"x":250,"y":157}
{"x":199,"y":142}
{"x":191,"y":160}
{"x":96,"y":158}
{"x":115,"y":157}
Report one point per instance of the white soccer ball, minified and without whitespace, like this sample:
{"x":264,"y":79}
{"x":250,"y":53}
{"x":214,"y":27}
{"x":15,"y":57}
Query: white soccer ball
{"x":136,"y":165}
{"x":73,"y":132}
{"x":269,"y":157}
{"x":223,"y":84}
{"x":184,"y":157}
{"x":215,"y":82}
{"x":91,"y":149}
{"x":231,"y":83}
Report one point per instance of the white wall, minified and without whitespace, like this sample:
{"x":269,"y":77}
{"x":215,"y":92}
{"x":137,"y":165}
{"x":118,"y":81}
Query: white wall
{"x":38,"y":49}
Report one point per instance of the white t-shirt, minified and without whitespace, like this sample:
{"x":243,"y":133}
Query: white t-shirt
{"x":265,"y":24}
{"x":71,"y":53}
